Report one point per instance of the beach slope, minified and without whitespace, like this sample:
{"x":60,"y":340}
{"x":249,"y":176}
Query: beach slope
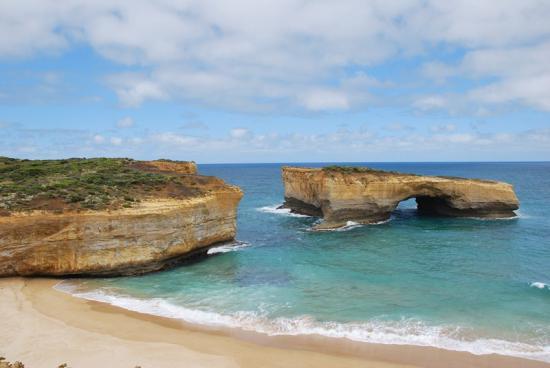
{"x":43,"y":327}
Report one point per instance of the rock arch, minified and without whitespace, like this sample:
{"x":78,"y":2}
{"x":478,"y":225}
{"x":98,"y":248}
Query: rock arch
{"x":341,"y":194}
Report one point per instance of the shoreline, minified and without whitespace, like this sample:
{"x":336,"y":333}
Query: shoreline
{"x":84,"y":333}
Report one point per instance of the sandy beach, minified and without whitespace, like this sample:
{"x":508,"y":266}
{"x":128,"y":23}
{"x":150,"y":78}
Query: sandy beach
{"x":43,"y":327}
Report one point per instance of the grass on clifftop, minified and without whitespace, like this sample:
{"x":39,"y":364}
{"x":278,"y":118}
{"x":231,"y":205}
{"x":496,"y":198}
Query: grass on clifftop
{"x":97,"y":183}
{"x":356,"y":170}
{"x":362,"y":169}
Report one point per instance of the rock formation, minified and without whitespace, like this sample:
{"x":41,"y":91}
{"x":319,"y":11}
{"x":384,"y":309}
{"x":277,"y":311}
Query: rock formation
{"x":157,"y":231}
{"x":167,"y":166}
{"x":342,"y":194}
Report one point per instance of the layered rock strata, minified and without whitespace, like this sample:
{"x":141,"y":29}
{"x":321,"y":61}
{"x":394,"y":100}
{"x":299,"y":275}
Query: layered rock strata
{"x":361,"y":195}
{"x":153,"y":234}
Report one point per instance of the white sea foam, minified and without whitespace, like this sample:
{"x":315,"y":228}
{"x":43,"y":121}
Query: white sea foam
{"x":232,"y":247}
{"x":351,"y":225}
{"x":540,"y":285}
{"x":348,"y":226}
{"x":496,"y":218}
{"x":403,"y":332}
{"x":275,"y":209}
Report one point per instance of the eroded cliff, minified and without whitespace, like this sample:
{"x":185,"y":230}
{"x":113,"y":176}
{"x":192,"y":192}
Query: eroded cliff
{"x":368,"y":196}
{"x":166,"y":223}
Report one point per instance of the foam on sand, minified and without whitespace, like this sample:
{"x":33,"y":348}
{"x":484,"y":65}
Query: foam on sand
{"x":402,"y":332}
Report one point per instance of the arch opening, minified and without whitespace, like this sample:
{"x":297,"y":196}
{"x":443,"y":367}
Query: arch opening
{"x":428,"y":206}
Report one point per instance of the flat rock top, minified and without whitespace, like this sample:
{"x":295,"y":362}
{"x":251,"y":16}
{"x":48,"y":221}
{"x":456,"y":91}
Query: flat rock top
{"x":97,"y":184}
{"x":366,"y":172}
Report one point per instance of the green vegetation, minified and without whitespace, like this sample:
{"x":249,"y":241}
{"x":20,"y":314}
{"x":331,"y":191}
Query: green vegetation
{"x":354,"y":169}
{"x":359,"y":169}
{"x":75,"y":183}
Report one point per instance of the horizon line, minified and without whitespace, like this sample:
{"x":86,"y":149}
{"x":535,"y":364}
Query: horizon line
{"x":290,"y":162}
{"x":368,"y":162}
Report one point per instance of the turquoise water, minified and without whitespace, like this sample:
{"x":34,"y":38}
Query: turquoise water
{"x":463,"y":284}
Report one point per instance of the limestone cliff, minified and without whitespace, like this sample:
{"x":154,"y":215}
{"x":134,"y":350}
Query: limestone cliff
{"x":168,"y":166}
{"x":367,"y":196}
{"x":187,"y":215}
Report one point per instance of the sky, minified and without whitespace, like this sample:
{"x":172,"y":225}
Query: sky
{"x":219,"y":81}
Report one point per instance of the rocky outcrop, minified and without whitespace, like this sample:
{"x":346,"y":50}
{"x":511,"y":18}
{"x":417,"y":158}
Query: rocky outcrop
{"x":368,"y":196}
{"x":168,"y":166}
{"x":151,"y":235}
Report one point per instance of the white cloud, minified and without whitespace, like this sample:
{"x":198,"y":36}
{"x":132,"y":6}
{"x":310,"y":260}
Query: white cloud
{"x":345,"y":143}
{"x":125,"y":122}
{"x":98,"y":139}
{"x":455,"y":138}
{"x":239,"y":133}
{"x":291,"y":54}
{"x":430,"y":103}
{"x":530,"y":90}
{"x":438,"y":71}
{"x":319,"y":100}
{"x":518,"y":74}
{"x":136,"y":140}
{"x":134,"y":89}
{"x":350,"y":144}
{"x":174,"y":139}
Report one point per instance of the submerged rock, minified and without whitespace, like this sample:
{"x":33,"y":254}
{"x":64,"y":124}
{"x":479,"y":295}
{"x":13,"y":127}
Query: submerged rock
{"x":362,"y":195}
{"x":173,"y":220}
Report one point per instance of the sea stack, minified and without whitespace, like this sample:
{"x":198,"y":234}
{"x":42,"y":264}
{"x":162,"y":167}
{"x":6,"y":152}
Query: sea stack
{"x":108,"y":217}
{"x":341,"y":194}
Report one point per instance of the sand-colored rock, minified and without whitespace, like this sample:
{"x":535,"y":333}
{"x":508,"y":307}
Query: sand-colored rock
{"x":369,"y":196}
{"x":173,"y":167}
{"x":128,"y":241}
{"x":185,"y":218}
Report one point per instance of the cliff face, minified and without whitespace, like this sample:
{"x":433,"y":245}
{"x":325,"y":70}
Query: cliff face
{"x":128,"y":241}
{"x":174,"y":167}
{"x":152,"y":234}
{"x":368,"y":196}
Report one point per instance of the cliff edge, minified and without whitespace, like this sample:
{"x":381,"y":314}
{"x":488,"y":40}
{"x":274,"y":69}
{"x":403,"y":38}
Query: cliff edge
{"x":341,"y":194}
{"x":108,"y":216}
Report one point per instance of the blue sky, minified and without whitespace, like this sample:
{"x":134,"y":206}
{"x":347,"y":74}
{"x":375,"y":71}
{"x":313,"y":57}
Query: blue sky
{"x":274,"y":81}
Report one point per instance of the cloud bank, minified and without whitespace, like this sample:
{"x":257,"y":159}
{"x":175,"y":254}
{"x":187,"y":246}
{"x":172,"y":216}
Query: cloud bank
{"x":295,"y":55}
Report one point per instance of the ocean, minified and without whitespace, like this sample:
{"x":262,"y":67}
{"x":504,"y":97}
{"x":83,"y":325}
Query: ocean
{"x":474,"y":285}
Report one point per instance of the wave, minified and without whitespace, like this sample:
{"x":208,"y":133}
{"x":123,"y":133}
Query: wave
{"x":232,"y":247}
{"x":495,"y":218}
{"x":276,"y":209}
{"x":540,"y":285}
{"x":402,"y":332}
{"x":350,"y":225}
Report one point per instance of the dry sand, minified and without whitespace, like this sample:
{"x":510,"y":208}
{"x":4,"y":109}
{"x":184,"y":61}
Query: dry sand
{"x":43,"y":328}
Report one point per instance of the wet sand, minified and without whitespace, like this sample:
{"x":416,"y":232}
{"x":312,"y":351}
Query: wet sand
{"x":43,"y":327}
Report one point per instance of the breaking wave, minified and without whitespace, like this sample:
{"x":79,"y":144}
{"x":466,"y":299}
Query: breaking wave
{"x":540,"y":285}
{"x":350,"y":225}
{"x":275,"y":209}
{"x":232,"y":247}
{"x":402,"y":332}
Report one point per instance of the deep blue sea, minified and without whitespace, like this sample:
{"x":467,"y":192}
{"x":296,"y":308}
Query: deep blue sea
{"x":463,"y":284}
